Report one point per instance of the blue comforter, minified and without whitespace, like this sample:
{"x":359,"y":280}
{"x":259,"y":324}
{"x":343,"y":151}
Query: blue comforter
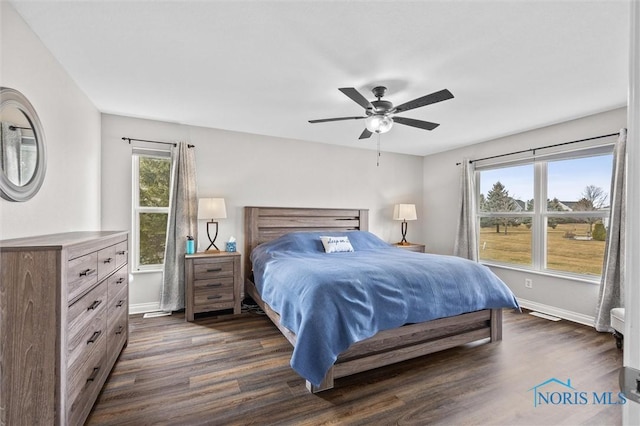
{"x":332,"y":300}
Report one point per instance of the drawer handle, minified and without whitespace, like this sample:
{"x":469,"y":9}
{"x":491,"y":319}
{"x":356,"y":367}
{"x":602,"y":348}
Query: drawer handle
{"x":94,"y":305}
{"x":87,"y":272}
{"x":120,"y":280}
{"x":214,"y":270}
{"x":121,"y":253}
{"x":120,"y":303}
{"x":94,"y":337}
{"x":217,"y":296}
{"x":108,"y":260}
{"x":94,"y":374}
{"x":120,"y":329}
{"x":214,"y":285}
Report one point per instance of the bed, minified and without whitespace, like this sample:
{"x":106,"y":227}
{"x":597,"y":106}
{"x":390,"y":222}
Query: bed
{"x":379,"y":321}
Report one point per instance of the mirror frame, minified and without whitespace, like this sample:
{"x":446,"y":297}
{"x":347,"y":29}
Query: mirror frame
{"x":9,"y":190}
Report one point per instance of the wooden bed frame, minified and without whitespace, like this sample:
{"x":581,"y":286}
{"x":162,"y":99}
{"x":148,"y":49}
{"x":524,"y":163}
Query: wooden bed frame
{"x":264,"y":224}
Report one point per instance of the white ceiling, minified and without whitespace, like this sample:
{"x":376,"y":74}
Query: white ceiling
{"x":266,"y":67}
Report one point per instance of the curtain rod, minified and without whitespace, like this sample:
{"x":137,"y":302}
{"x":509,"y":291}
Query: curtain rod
{"x":144,"y":140}
{"x":542,"y":147}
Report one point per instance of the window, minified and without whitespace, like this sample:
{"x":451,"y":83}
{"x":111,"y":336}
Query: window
{"x":548,"y":215}
{"x":151,"y":187}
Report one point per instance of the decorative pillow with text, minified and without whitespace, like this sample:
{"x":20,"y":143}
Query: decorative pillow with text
{"x":336,"y":244}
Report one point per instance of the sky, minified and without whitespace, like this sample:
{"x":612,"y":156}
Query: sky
{"x":567,"y":179}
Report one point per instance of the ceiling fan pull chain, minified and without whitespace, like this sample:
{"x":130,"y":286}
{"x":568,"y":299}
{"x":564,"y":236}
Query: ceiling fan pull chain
{"x":378,"y":157}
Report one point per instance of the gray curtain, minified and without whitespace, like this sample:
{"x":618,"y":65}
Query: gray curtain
{"x":466,"y":236}
{"x":182,"y":221}
{"x":612,"y":284}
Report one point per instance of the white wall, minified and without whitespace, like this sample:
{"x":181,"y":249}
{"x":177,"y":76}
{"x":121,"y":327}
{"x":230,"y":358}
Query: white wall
{"x":572,"y":299}
{"x":253,"y":170}
{"x":69,"y":199}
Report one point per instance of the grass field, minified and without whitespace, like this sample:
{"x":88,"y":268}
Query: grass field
{"x":563,"y":254}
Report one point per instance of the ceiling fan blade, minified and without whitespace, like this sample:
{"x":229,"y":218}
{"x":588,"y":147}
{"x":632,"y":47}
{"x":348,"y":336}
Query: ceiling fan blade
{"x":356,"y":97}
{"x":427,"y":125}
{"x":365,"y":134}
{"x":434,"y":97}
{"x":324,"y":120}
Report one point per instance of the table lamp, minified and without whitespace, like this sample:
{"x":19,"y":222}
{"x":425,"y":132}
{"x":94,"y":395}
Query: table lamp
{"x":404,"y":212}
{"x":210,"y":209}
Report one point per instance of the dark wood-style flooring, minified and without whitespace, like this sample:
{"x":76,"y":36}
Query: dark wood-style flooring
{"x":235,"y":370}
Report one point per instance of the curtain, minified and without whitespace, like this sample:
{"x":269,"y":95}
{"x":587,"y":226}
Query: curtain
{"x":466,"y":237}
{"x":10,"y":141}
{"x":182,"y":221}
{"x":611,"y":293}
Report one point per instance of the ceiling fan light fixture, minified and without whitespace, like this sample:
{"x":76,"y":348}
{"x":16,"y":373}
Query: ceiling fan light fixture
{"x":378,"y":123}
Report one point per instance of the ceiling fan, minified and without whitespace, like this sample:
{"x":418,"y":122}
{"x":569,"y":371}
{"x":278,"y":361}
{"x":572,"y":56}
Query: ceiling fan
{"x":380,"y":115}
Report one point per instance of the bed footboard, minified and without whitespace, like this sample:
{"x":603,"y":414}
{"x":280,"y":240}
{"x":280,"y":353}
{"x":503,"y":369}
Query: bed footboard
{"x":400,"y":344}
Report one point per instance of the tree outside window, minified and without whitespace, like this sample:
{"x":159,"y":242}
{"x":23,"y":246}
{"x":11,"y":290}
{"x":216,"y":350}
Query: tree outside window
{"x":565,"y":234}
{"x":152,"y":178}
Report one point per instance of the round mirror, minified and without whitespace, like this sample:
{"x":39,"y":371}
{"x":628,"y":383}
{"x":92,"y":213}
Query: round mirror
{"x":22,"y":152}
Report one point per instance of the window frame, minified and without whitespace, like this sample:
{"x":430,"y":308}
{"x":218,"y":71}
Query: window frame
{"x":540,"y":216}
{"x":136,"y":209}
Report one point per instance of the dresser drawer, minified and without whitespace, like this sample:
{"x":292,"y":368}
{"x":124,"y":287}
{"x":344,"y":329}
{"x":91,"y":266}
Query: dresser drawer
{"x":84,"y":313}
{"x":117,"y":305}
{"x":82,"y":273}
{"x":87,"y":336}
{"x":212,"y":268}
{"x":106,"y":261}
{"x":122,"y":253}
{"x":117,"y":281}
{"x":84,"y":381}
{"x":117,"y":331}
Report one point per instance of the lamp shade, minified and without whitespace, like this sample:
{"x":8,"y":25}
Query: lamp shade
{"x":404,"y":212}
{"x":211,"y":208}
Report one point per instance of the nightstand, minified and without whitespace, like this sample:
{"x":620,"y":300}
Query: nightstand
{"x":412,"y":247}
{"x":212,"y":282}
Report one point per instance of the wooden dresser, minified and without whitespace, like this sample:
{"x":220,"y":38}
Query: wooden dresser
{"x":63,"y":323}
{"x":212,"y":282}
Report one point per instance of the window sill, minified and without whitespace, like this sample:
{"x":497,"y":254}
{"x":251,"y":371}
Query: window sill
{"x":568,"y":277}
{"x":146,"y":271}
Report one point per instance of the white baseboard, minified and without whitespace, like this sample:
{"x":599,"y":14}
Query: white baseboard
{"x":557,"y":312}
{"x":141,"y":308}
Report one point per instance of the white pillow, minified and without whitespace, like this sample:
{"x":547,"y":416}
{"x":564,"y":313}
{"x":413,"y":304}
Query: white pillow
{"x":336,"y":244}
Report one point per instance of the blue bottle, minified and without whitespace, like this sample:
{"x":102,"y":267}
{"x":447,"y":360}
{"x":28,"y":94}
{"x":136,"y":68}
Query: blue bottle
{"x":191,"y":245}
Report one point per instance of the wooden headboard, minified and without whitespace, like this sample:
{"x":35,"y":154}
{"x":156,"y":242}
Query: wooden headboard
{"x":262,"y":224}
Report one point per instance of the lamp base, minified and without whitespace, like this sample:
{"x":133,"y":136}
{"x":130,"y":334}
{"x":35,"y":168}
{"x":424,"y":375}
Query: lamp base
{"x":212,"y":241}
{"x":403,"y":229}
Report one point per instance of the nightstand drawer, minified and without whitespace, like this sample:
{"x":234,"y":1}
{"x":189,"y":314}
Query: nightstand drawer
{"x":212,"y":268}
{"x":206,"y":298}
{"x":211,"y":291}
{"x":214,"y":285}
